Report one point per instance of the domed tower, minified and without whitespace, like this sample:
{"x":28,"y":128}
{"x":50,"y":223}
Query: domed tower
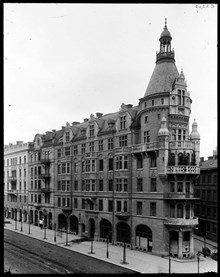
{"x":171,"y":154}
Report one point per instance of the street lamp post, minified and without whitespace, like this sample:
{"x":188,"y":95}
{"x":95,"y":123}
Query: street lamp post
{"x":45,"y":213}
{"x":124,"y":253}
{"x":169,"y":256}
{"x":198,"y":255}
{"x":29,"y":223}
{"x":107,"y":254}
{"x":55,"y":239}
{"x":21,"y":222}
{"x":16,"y":220}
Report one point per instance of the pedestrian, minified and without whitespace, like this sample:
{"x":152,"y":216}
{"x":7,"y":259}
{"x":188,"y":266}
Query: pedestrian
{"x":41,"y":223}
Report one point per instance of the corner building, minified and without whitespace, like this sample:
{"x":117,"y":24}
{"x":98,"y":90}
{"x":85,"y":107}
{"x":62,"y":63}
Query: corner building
{"x":132,"y":172}
{"x":126,"y":176}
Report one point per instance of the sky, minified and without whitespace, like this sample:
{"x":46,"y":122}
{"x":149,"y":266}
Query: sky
{"x":64,"y":62}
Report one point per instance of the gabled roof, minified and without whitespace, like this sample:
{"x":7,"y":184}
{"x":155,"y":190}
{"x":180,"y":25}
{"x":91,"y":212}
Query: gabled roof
{"x":209,"y":164}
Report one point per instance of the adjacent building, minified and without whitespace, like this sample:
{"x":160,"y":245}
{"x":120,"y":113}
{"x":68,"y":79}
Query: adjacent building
{"x":206,"y":189}
{"x":127,"y":176}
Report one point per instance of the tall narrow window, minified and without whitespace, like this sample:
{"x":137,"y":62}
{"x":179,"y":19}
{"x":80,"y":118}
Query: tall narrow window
{"x":110,"y":143}
{"x":123,"y":122}
{"x":139,"y":184}
{"x":67,"y":136}
{"x":101,"y":145}
{"x":153,"y":209}
{"x":153,"y":184}
{"x":139,"y":208}
{"x":91,"y":130}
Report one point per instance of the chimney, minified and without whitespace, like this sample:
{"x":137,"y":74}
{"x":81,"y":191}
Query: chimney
{"x":201,"y":159}
{"x":99,"y":115}
{"x":75,"y":123}
{"x":129,"y":106}
{"x":54,"y":130}
{"x":86,"y":119}
{"x":19,"y":142}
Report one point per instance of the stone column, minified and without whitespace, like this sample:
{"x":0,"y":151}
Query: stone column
{"x":191,"y":243}
{"x":180,"y":245}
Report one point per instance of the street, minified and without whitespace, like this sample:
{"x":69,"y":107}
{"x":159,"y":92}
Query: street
{"x":23,"y":254}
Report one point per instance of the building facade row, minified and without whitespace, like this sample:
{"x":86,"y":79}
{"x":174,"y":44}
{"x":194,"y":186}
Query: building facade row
{"x":127,"y":176}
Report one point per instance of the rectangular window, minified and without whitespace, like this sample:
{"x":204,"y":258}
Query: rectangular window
{"x":75,"y":185}
{"x":153,"y":209}
{"x":148,"y":136}
{"x":67,"y":136}
{"x":93,"y":185}
{"x":125,"y":162}
{"x":118,"y":162}
{"x":87,"y":185}
{"x":146,"y":119}
{"x":91,"y":146}
{"x":83,"y":203}
{"x":63,"y":202}
{"x":87,"y":165}
{"x":139,"y":161}
{"x":209,"y":179}
{"x":59,"y":185}
{"x":173,"y":131}
{"x":118,"y":206}
{"x":68,"y":202}
{"x":59,"y":153}
{"x":83,"y":185}
{"x":101,"y":145}
{"x":75,"y":166}
{"x":172,"y":186}
{"x":63,"y":186}
{"x":172,"y":210}
{"x":68,"y":185}
{"x":59,"y":168}
{"x":153,"y":184}
{"x":75,"y":149}
{"x":123,"y":141}
{"x":100,"y":205}
{"x":75,"y":203}
{"x":67,"y":151}
{"x":152,"y":102}
{"x":125,"y":206}
{"x":101,"y":165}
{"x":83,"y":148}
{"x":58,"y":201}
{"x":139,"y":184}
{"x":179,"y":186}
{"x":63,"y":168}
{"x":123,"y":122}
{"x":139,"y":208}
{"x":110,"y":164}
{"x":67,"y":167}
{"x":91,"y":130}
{"x":153,"y":160}
{"x":93,"y":165}
{"x":110,"y":185}
{"x":118,"y":184}
{"x":125,"y":184}
{"x":203,"y":179}
{"x":110,"y":143}
{"x":110,"y":205}
{"x":100,"y":185}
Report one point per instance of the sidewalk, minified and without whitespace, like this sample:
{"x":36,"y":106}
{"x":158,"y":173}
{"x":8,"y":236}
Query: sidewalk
{"x":135,"y":260}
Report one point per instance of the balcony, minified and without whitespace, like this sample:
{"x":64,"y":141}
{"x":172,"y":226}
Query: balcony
{"x":145,"y":147}
{"x":44,"y":175}
{"x":45,"y":190}
{"x":12,"y":178}
{"x":182,"y":144}
{"x":181,"y":222}
{"x":13,"y":191}
{"x":122,"y":150}
{"x":179,"y":195}
{"x":183,"y":169}
{"x":45,"y":161}
{"x":122,"y":215}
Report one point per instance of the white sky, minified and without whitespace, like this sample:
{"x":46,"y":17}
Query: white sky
{"x":63,"y":62}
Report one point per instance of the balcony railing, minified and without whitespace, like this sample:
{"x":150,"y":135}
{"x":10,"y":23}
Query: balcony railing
{"x":183,"y":169}
{"x":181,"y":221}
{"x":179,"y":195}
{"x":145,"y":147}
{"x":182,"y":144}
{"x":45,"y":190}
{"x":162,"y":55}
{"x":122,"y":150}
{"x":12,"y":178}
{"x":45,"y":161}
{"x":12,"y":191}
{"x":122,"y":215}
{"x":44,"y":175}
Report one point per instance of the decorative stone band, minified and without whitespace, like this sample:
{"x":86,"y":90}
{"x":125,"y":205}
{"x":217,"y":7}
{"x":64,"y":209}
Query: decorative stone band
{"x":181,"y":221}
{"x":183,"y":169}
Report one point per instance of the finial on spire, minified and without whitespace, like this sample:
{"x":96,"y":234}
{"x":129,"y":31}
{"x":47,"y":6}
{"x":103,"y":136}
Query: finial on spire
{"x":165,"y":23}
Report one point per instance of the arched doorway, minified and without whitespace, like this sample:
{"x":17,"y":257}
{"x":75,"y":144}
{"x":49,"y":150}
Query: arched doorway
{"x":91,"y":227}
{"x":50,"y":217}
{"x":143,"y":237}
{"x":105,"y":229}
{"x":62,"y":222}
{"x":123,"y":232}
{"x":74,"y":224}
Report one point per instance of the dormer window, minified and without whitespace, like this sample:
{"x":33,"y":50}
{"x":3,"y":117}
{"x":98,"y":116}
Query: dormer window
{"x":123,"y":122}
{"x":67,"y":136}
{"x":91,"y":130}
